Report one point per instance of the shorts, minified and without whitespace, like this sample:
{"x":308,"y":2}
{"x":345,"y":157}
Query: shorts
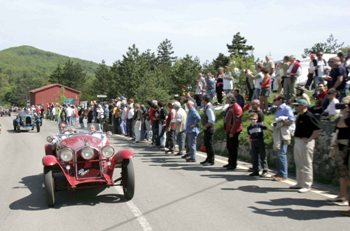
{"x":265,"y":92}
{"x":341,"y":160}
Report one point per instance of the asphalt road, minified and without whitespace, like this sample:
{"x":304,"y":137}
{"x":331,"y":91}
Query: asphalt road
{"x":170,"y":195}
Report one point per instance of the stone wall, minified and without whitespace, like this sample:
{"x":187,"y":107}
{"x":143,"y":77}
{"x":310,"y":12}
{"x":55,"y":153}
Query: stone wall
{"x":324,"y":170}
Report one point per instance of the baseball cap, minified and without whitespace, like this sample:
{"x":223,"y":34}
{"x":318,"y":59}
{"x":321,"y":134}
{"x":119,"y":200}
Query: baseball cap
{"x":301,"y":102}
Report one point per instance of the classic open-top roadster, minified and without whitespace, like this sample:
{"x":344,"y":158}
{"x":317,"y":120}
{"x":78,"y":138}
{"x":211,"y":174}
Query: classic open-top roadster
{"x":26,"y":121}
{"x":78,"y":159}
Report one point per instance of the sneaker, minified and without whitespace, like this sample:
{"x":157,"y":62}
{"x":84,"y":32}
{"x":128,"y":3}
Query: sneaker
{"x":190,"y":160}
{"x":226,"y":165}
{"x":254,"y":174}
{"x":264,"y":173}
{"x":250,"y":170}
{"x":203,"y":162}
{"x":294,"y":187}
{"x":178,"y":154}
{"x":303,"y":190}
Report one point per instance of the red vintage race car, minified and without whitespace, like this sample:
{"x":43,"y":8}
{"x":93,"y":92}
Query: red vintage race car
{"x":78,"y":159}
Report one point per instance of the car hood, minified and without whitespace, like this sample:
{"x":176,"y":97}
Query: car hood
{"x":78,"y":142}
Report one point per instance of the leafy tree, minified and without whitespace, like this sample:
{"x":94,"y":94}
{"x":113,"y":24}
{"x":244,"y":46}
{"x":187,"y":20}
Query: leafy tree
{"x":56,"y":76}
{"x":102,"y":81}
{"x":185,"y":72}
{"x":71,"y":75}
{"x":238,"y":47}
{"x":331,"y":46}
{"x":221,"y":61}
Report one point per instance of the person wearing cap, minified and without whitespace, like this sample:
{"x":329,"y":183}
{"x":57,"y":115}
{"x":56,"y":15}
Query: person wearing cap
{"x":307,"y":128}
{"x":208,"y":122}
{"x":192,"y":130}
{"x":233,"y":127}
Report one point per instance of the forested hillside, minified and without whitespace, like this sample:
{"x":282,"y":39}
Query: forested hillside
{"x":24,"y":68}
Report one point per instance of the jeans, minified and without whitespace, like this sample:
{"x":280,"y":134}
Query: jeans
{"x":256,"y":93}
{"x":282,"y":161}
{"x":192,"y":144}
{"x":181,"y":140}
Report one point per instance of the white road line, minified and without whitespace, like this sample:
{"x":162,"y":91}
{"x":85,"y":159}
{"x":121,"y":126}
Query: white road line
{"x":137,"y":213}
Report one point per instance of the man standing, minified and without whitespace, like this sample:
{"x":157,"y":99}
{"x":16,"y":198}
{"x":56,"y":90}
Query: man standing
{"x":293,"y":72}
{"x":306,"y":130}
{"x":233,"y":127}
{"x":192,"y":130}
{"x":337,"y":77}
{"x":208,"y":127}
{"x":181,"y":117}
{"x":284,"y":123}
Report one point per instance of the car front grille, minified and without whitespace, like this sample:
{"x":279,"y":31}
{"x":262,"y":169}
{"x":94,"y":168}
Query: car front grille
{"x":88,"y":169}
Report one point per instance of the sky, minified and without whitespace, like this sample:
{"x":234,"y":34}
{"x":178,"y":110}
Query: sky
{"x":103,"y":30}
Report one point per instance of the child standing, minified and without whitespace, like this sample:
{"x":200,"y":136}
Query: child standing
{"x":256,"y":137}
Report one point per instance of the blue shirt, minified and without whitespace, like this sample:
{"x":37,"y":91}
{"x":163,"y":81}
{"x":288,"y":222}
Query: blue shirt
{"x":193,"y":118}
{"x":285,"y":110}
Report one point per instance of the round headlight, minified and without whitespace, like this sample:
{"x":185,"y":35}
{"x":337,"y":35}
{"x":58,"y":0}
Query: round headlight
{"x":87,"y":153}
{"x":107,"y":151}
{"x":66,"y":154}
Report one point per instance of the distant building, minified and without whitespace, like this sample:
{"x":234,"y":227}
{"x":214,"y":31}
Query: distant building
{"x":54,"y":93}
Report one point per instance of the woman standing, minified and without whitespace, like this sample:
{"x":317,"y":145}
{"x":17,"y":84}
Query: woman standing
{"x":265,"y":89}
{"x":219,"y":85}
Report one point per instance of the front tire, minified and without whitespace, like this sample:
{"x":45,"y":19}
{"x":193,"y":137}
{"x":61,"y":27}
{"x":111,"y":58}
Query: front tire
{"x":49,"y":182}
{"x":128,"y":179}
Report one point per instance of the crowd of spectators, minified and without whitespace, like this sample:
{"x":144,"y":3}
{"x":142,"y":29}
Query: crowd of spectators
{"x":174,"y":126}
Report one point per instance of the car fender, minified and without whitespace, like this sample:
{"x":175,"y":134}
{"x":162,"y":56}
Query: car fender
{"x":125,"y":154}
{"x":49,"y":160}
{"x":49,"y":149}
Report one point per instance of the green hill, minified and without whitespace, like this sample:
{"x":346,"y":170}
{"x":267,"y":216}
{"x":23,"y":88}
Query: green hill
{"x":25,"y":68}
{"x":17,"y":61}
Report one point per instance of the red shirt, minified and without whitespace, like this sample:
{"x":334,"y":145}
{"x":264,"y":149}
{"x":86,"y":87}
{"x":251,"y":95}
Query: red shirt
{"x":266,"y":82}
{"x":152,"y":114}
{"x":233,"y":119}
{"x":320,"y":97}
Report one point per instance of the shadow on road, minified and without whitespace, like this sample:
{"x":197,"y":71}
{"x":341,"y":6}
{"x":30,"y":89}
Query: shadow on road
{"x":36,"y":200}
{"x":295,"y":201}
{"x":297,"y":214}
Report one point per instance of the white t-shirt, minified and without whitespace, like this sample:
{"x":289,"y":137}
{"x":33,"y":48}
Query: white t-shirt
{"x":331,"y":107}
{"x":227,"y":81}
{"x":321,"y":68}
{"x":258,"y":79}
{"x":69,"y":111}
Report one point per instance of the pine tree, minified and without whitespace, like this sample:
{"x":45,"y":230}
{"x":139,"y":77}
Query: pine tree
{"x":165,"y":52}
{"x":238,"y":47}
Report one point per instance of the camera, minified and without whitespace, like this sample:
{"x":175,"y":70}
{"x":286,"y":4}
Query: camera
{"x":340,"y":106}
